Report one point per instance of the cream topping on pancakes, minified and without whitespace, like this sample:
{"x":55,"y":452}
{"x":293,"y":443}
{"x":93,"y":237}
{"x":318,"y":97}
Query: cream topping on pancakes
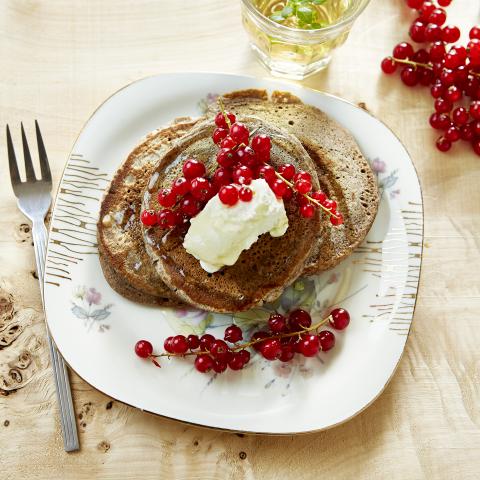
{"x":219,"y":233}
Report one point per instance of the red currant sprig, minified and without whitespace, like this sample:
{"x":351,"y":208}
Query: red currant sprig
{"x":287,"y":336}
{"x":453,"y":74}
{"x":241,"y":163}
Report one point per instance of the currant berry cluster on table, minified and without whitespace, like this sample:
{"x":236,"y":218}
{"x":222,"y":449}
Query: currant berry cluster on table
{"x":451,"y":71}
{"x":286,"y":337}
{"x":242,"y":157}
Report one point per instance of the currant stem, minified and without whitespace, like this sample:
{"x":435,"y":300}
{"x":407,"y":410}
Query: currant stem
{"x":242,"y":346}
{"x":428,"y":66}
{"x":316,"y":202}
{"x":414,"y":64}
{"x":222,"y":109}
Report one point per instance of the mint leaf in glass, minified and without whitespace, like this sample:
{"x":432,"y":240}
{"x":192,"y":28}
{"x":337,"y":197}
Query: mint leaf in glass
{"x":305,"y":14}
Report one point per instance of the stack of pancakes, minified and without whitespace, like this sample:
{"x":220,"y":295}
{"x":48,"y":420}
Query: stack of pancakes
{"x":150,"y":265}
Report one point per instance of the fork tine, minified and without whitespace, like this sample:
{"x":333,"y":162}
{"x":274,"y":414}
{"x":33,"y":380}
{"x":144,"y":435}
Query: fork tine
{"x":27,"y":158}
{"x":12,"y":161}
{"x":44,"y":166}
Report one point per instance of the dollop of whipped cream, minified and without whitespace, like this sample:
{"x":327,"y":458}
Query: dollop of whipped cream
{"x":219,"y":233}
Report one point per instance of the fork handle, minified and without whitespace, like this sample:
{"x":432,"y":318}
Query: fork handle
{"x":60,"y":373}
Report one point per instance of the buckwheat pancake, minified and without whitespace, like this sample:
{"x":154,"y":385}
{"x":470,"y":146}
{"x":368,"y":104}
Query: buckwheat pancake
{"x":261,"y":272}
{"x":343,"y":172}
{"x":125,"y":263}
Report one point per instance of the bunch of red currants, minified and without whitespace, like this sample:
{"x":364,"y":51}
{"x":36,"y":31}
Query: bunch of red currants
{"x":452,"y":72}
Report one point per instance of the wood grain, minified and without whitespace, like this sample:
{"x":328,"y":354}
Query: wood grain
{"x":60,"y":59}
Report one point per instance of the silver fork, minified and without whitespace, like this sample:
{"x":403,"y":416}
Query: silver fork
{"x":34,"y":201}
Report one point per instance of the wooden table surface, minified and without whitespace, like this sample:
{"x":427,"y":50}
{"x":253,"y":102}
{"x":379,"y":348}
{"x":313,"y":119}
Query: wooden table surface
{"x":60,"y":59}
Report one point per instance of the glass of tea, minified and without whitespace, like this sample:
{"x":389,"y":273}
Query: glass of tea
{"x":295,"y":38}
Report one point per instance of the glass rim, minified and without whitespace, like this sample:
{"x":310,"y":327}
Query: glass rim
{"x":362,"y":4}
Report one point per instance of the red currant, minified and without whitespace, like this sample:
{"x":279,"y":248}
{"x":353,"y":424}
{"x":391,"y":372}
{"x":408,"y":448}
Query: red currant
{"x":222,"y":176}
{"x":219,"y":367}
{"x":437,"y":90}
{"x":243,"y":175}
{"x":415,"y":4}
{"x":193,"y":342}
{"x":277,"y":323}
{"x":447,"y":78}
{"x":206,"y":341}
{"x":228,"y":142}
{"x":246,"y":156}
{"x":200,"y":188}
{"x":236,"y":362}
{"x":233,"y":334}
{"x":443,"y":144}
{"x":301,"y":175}
{"x":336,"y":219}
{"x":219,"y":134}
{"x":226,"y":157}
{"x":298,"y":320}
{"x":167,"y":345}
{"x":303,"y":186}
{"x":450,"y":34}
{"x":245,"y":194}
{"x":267,"y":172}
{"x":287,"y":354}
{"x":452,"y":134}
{"x":444,"y":3}
{"x":279,"y":187}
{"x":403,"y":51}
{"x":425,"y":76}
{"x":143,"y":348}
{"x":149,"y":218}
{"x":466,"y":133}
{"x":421,"y":56}
{"x":190,"y":206}
{"x":442,"y":105}
{"x":475,"y":109}
{"x":166,"y":218}
{"x":460,"y":116}
{"x":438,"y":16}
{"x":179,"y":344}
{"x":388,"y":65}
{"x":453,"y":94}
{"x":455,"y":57}
{"x":433,"y":33}
{"x":327,"y":340}
{"x":475,"y":32}
{"x":426,"y":10}
{"x":340,"y":318}
{"x":166,"y":198}
{"x":261,"y":143}
{"x":319,"y":196}
{"x":180,"y":186}
{"x":437,"y":51}
{"x":239,"y":133}
{"x":193,"y":168}
{"x":220,"y":119}
{"x":417,"y":32}
{"x":330,"y":204}
{"x":476,"y":128}
{"x":287,"y":171}
{"x":203,"y":363}
{"x":244,"y":355}
{"x":439,"y":121}
{"x":228,"y":195}
{"x":309,"y":345}
{"x":258,"y":336}
{"x":271,"y":349}
{"x":220,"y":350}
{"x":409,"y":76}
{"x":307,"y":211}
